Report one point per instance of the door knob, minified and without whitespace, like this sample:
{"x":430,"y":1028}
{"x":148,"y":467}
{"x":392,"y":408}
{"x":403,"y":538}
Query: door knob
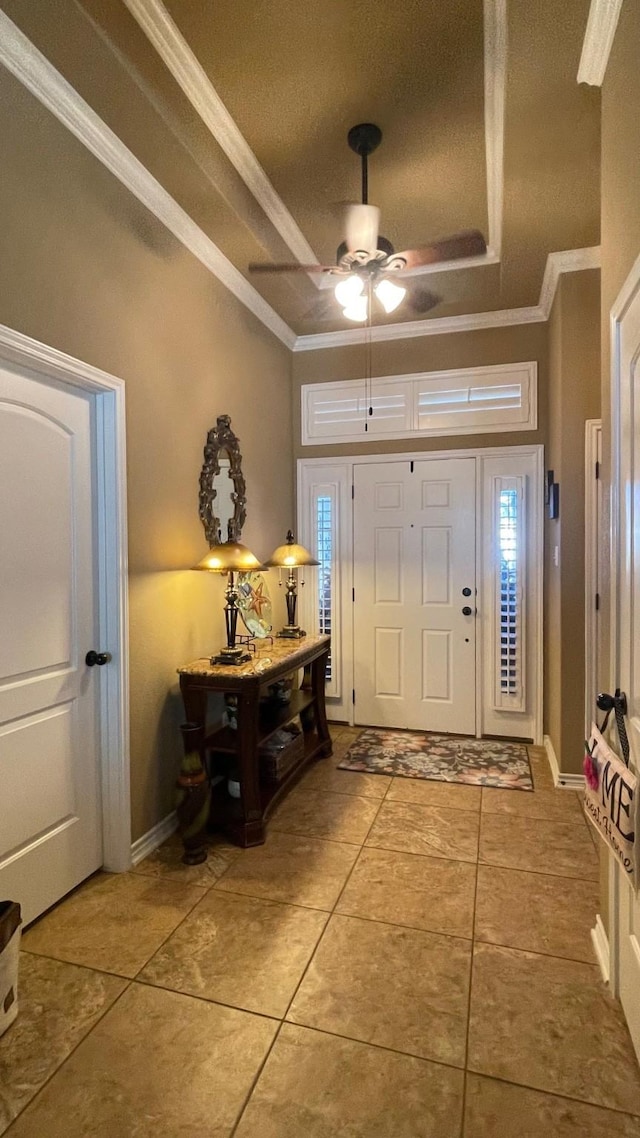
{"x":467,"y":610}
{"x":466,"y":592}
{"x":606,"y":702}
{"x":100,"y":658}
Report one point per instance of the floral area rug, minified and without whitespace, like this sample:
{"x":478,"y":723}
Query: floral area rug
{"x":444,"y":758}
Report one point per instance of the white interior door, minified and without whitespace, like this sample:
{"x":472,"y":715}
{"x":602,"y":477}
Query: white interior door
{"x":50,"y":816}
{"x":626,"y":613}
{"x":414,"y":558}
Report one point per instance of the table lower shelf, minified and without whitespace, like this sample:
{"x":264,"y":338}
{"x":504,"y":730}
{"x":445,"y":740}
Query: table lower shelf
{"x":228,"y":814}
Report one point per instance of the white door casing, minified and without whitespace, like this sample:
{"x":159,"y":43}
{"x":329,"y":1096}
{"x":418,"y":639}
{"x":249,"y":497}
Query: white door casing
{"x":592,"y":546}
{"x":414,"y":553}
{"x":54,"y":375}
{"x":319,"y":477}
{"x":625,"y":611}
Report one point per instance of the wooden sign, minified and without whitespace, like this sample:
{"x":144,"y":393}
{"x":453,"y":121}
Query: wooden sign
{"x":610,"y":800}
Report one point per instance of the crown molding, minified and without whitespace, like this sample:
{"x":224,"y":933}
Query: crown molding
{"x":34,"y":71}
{"x":411,"y":329}
{"x":173,"y":49}
{"x":566,"y":261}
{"x":598,"y":41}
{"x":164,"y":35}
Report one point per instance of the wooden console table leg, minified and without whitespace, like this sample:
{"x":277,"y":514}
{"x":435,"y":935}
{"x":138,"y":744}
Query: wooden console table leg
{"x":318,"y":669}
{"x":193,"y":800}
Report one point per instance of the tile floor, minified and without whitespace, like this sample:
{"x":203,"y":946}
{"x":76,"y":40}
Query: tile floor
{"x":401,"y":959}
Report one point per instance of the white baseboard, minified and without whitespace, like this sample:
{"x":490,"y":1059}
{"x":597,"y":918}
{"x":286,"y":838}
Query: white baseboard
{"x":561,"y":780}
{"x":601,"y":947}
{"x":153,"y":838}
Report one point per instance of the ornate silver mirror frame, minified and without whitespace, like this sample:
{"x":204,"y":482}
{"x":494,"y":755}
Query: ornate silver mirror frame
{"x":222,"y":458}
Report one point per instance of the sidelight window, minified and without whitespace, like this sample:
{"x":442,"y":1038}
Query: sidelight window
{"x":510,"y":592}
{"x":324,"y":546}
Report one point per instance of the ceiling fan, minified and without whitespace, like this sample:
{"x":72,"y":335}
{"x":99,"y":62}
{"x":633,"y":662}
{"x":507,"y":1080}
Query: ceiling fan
{"x":366,"y":261}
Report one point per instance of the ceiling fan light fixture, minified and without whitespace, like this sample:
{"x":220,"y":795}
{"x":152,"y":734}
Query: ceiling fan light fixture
{"x":390,"y":295}
{"x":357,"y":309}
{"x":349,"y":290}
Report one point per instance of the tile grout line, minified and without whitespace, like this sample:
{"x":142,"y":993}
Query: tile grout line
{"x":553,"y":1094}
{"x":332,"y":911}
{"x":40,"y":1090}
{"x":471,"y":958}
{"x":304,"y":973}
{"x":255,"y":1080}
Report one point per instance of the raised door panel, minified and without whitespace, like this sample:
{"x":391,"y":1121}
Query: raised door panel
{"x":388,"y":663}
{"x":36,"y":523}
{"x":388,"y":563}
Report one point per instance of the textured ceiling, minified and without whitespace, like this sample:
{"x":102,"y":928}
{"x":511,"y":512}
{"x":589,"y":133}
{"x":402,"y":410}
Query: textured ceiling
{"x":295,"y":76}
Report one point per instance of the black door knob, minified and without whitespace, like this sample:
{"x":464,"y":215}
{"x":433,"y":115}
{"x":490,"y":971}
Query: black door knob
{"x":100,"y":658}
{"x":466,"y":592}
{"x":606,"y":702}
{"x":467,"y":610}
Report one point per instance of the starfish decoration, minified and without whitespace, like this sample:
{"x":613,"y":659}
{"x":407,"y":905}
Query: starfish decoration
{"x":258,"y":600}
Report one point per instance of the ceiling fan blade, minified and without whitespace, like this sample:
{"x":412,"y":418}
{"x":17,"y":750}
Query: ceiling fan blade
{"x":468,"y":243}
{"x":289,"y":267}
{"x":362,"y":223}
{"x":422,"y":300}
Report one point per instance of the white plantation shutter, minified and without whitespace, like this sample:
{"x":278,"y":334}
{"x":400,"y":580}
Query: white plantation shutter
{"x":466,"y":401}
{"x":510,"y":593}
{"x":325,"y":552}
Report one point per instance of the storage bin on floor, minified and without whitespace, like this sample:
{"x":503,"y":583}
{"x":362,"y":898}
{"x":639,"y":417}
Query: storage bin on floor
{"x":10,"y":927}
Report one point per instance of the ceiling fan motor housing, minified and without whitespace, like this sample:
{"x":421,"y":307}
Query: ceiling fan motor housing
{"x":384,"y":246}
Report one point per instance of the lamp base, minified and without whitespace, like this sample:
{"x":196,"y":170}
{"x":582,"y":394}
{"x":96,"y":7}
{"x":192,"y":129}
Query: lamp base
{"x":291,"y":632}
{"x":226,"y":656}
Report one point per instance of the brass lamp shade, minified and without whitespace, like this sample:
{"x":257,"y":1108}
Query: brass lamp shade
{"x":291,"y":556}
{"x":229,"y":556}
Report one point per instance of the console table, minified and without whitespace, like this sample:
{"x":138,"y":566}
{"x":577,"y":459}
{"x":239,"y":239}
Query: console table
{"x":243,"y":818}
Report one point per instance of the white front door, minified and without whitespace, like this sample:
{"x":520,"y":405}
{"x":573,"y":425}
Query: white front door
{"x":414,"y":575}
{"x":50,"y":815}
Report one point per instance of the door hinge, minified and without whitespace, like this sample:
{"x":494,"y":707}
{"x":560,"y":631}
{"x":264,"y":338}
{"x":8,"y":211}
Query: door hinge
{"x":353,"y":491}
{"x":353,"y":695}
{"x":412,"y":466}
{"x":597,"y":602}
{"x":353,"y":596}
{"x":597,"y":469}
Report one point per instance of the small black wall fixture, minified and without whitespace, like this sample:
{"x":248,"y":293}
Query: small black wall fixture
{"x":554,"y":500}
{"x":548,"y":482}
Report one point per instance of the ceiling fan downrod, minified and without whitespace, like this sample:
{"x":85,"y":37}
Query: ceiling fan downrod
{"x":363,"y":140}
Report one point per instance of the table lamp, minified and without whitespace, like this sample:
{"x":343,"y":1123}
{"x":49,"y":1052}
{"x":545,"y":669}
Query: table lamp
{"x":230,"y":557}
{"x":291,"y":556}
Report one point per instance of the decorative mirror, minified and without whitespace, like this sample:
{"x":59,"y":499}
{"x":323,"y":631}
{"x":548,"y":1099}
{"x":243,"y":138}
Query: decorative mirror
{"x":222,"y":501}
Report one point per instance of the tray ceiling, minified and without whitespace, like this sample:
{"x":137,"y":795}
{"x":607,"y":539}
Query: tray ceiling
{"x":250,"y":138}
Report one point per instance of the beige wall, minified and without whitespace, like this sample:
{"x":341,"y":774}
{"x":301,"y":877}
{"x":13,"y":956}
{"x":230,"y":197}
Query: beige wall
{"x":431,"y":353}
{"x":85,"y":268}
{"x":574,"y":397}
